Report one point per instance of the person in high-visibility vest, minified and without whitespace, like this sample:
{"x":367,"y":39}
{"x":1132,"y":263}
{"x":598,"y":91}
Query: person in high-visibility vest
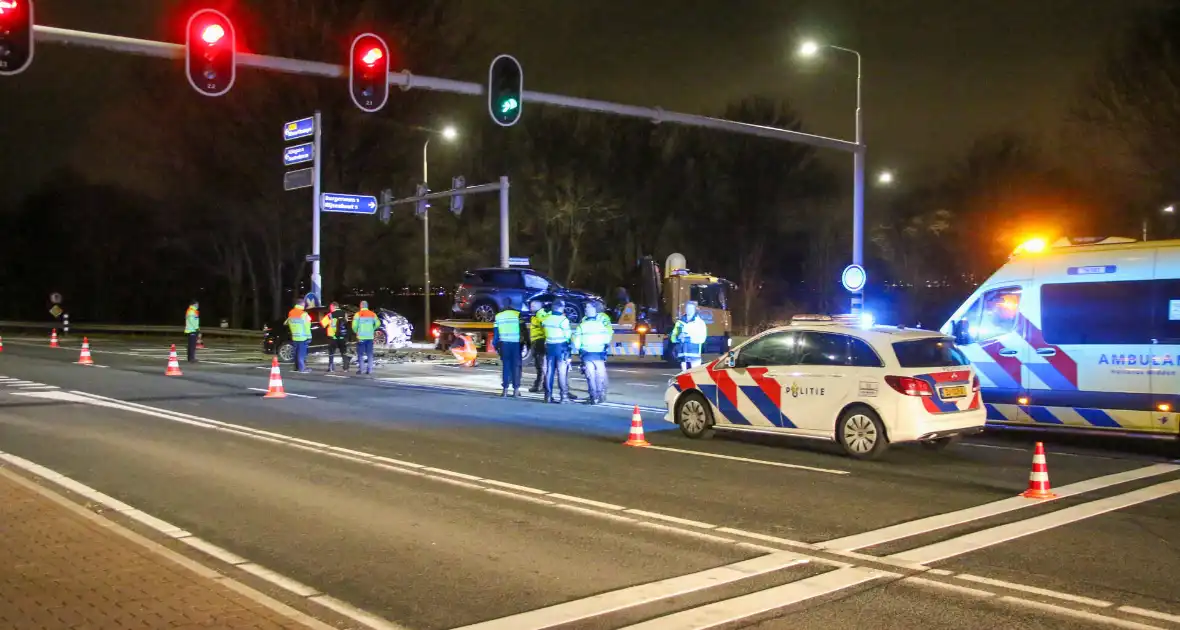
{"x":506,"y":338}
{"x":299,"y":323}
{"x":335,"y":323}
{"x":591,"y":339}
{"x":192,"y":328}
{"x":365,"y":324}
{"x":537,"y":337}
{"x":556,"y":328}
{"x":690,"y":332}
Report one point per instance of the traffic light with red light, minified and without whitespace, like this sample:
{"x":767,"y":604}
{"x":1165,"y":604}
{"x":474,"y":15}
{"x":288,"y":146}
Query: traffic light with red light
{"x":505,"y":90}
{"x":16,"y":36}
{"x":210,"y":55}
{"x":368,"y":72}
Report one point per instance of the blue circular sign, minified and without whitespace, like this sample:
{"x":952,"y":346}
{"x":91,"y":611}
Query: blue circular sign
{"x":854,"y":278}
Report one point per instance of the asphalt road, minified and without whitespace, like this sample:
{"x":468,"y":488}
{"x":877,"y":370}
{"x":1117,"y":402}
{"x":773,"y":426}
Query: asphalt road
{"x":418,"y":496}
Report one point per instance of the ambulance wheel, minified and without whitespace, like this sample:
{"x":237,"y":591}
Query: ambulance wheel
{"x":286,"y":352}
{"x":694,"y":416}
{"x":861,"y":433}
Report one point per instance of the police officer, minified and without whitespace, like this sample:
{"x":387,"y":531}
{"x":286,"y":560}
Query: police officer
{"x":690,"y":332}
{"x":364,"y":324}
{"x":506,"y":338}
{"x":192,"y":328}
{"x":335,"y":323}
{"x":537,"y":338}
{"x":299,"y":323}
{"x":591,"y":340}
{"x":556,"y":328}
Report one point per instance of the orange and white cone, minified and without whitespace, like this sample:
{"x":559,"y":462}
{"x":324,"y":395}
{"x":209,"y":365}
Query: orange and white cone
{"x":173,"y":364}
{"x":1,"y":344}
{"x":1038,"y":479}
{"x":84,"y":358}
{"x":636,"y":438}
{"x":200,"y":342}
{"x":275,"y":388}
{"x":53,"y":339}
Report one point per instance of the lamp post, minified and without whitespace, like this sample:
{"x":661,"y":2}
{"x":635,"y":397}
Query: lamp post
{"x":811,"y":49}
{"x":449,"y":134}
{"x":1169,"y":209}
{"x":885,"y":178}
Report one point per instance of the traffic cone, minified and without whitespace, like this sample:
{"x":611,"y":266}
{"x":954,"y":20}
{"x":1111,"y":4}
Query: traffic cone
{"x":85,"y":359}
{"x":173,"y":364}
{"x":1,"y":344}
{"x":275,"y":388}
{"x":200,"y":342}
{"x":53,"y":339}
{"x":636,"y":438}
{"x":1038,"y":479}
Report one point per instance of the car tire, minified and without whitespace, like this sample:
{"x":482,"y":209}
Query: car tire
{"x":484,"y":311}
{"x":861,"y":433}
{"x":573,"y":313}
{"x":694,"y":416}
{"x":940,"y":444}
{"x":286,"y":352}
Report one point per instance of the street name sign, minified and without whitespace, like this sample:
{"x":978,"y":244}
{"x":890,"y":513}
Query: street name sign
{"x":353,"y":204}
{"x":301,"y":128}
{"x":299,"y":154}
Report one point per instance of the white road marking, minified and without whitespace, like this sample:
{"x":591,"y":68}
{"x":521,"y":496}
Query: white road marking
{"x":1077,"y":599}
{"x":1077,"y":614}
{"x":954,"y":588}
{"x":631,"y":597}
{"x":259,"y":389}
{"x":949,"y":519}
{"x":173,"y":531}
{"x":642,"y":385}
{"x":748,"y":460}
{"x":1025,"y":450}
{"x":671,"y":519}
{"x":996,"y":535}
{"x":335,"y":376}
{"x":1143,"y":612}
{"x":738,"y":608}
{"x":30,"y":386}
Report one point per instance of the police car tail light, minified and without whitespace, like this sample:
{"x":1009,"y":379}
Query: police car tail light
{"x":975,"y":383}
{"x":909,"y":386}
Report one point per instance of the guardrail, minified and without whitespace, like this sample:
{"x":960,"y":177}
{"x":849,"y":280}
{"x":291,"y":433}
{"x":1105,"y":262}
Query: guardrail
{"x":129,"y":329}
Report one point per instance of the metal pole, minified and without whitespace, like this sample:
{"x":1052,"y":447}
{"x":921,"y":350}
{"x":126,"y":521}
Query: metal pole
{"x":426,"y":241}
{"x":858,"y":186}
{"x":504,"y":221}
{"x":316,"y":279}
{"x":1145,"y":230}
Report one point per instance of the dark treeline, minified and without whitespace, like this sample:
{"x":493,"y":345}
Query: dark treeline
{"x":188,"y":200}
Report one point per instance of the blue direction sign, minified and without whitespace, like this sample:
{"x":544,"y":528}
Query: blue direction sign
{"x":299,"y":129}
{"x":299,"y":154}
{"x":355,"y":204}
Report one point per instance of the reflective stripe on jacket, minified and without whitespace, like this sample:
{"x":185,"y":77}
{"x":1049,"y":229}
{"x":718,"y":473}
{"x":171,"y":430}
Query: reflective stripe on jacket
{"x":508,"y":326}
{"x":592,"y":335}
{"x":192,"y":320}
{"x":692,"y":331}
{"x":299,"y":322}
{"x":556,"y":328}
{"x":365,"y":324}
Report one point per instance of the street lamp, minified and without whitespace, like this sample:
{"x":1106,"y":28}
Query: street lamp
{"x":885,"y":178}
{"x":1169,"y":209}
{"x":811,"y":48}
{"x":448,"y":133}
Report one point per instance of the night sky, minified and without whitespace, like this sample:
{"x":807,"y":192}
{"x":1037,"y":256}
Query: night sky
{"x":936,"y":74}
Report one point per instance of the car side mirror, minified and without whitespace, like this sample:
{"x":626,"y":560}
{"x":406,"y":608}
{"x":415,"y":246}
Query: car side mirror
{"x":731,"y":359}
{"x":961,"y":332}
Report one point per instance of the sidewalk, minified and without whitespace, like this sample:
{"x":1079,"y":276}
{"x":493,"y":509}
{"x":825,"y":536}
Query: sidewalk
{"x":62,"y":567}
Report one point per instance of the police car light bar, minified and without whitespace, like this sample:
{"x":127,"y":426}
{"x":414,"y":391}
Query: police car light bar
{"x":811,"y":318}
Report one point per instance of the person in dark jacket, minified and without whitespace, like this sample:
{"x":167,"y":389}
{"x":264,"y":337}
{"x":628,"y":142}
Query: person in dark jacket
{"x":335,"y":324}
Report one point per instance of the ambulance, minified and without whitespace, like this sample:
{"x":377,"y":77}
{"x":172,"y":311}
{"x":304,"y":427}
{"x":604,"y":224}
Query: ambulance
{"x":1082,"y":335}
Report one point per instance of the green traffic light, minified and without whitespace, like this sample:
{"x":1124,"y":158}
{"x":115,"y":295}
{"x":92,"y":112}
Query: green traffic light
{"x":508,"y":105}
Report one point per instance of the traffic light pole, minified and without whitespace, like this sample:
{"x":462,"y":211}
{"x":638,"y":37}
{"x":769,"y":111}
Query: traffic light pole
{"x":502,"y":187}
{"x":317,"y":286}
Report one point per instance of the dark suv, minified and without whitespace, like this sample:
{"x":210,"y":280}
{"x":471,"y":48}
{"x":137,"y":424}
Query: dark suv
{"x":485,"y":292}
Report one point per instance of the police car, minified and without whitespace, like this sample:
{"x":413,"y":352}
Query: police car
{"x":829,"y":378}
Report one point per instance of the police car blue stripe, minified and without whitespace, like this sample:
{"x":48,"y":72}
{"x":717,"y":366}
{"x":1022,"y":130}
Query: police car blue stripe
{"x":1042,"y":415}
{"x":994,"y":414}
{"x":765,"y":405}
{"x":1098,"y":418}
{"x":996,"y":374}
{"x":730,"y":411}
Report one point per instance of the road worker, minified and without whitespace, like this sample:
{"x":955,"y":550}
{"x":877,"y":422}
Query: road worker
{"x":556,"y":328}
{"x":537,"y":338}
{"x":192,"y":328}
{"x":591,"y":340}
{"x":690,"y":333}
{"x":335,"y":323}
{"x":299,"y":323}
{"x":506,"y":338}
{"x":364,"y":324}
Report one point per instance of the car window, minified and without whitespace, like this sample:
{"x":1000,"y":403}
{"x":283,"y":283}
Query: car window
{"x":1001,"y":311}
{"x":536,"y":282}
{"x":932,"y":352}
{"x":860,"y":354}
{"x":502,"y":278}
{"x":773,"y":349}
{"x":816,"y":348}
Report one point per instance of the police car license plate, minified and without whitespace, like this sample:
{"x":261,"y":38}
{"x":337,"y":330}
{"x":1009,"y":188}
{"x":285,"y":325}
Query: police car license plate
{"x":956,"y":391}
